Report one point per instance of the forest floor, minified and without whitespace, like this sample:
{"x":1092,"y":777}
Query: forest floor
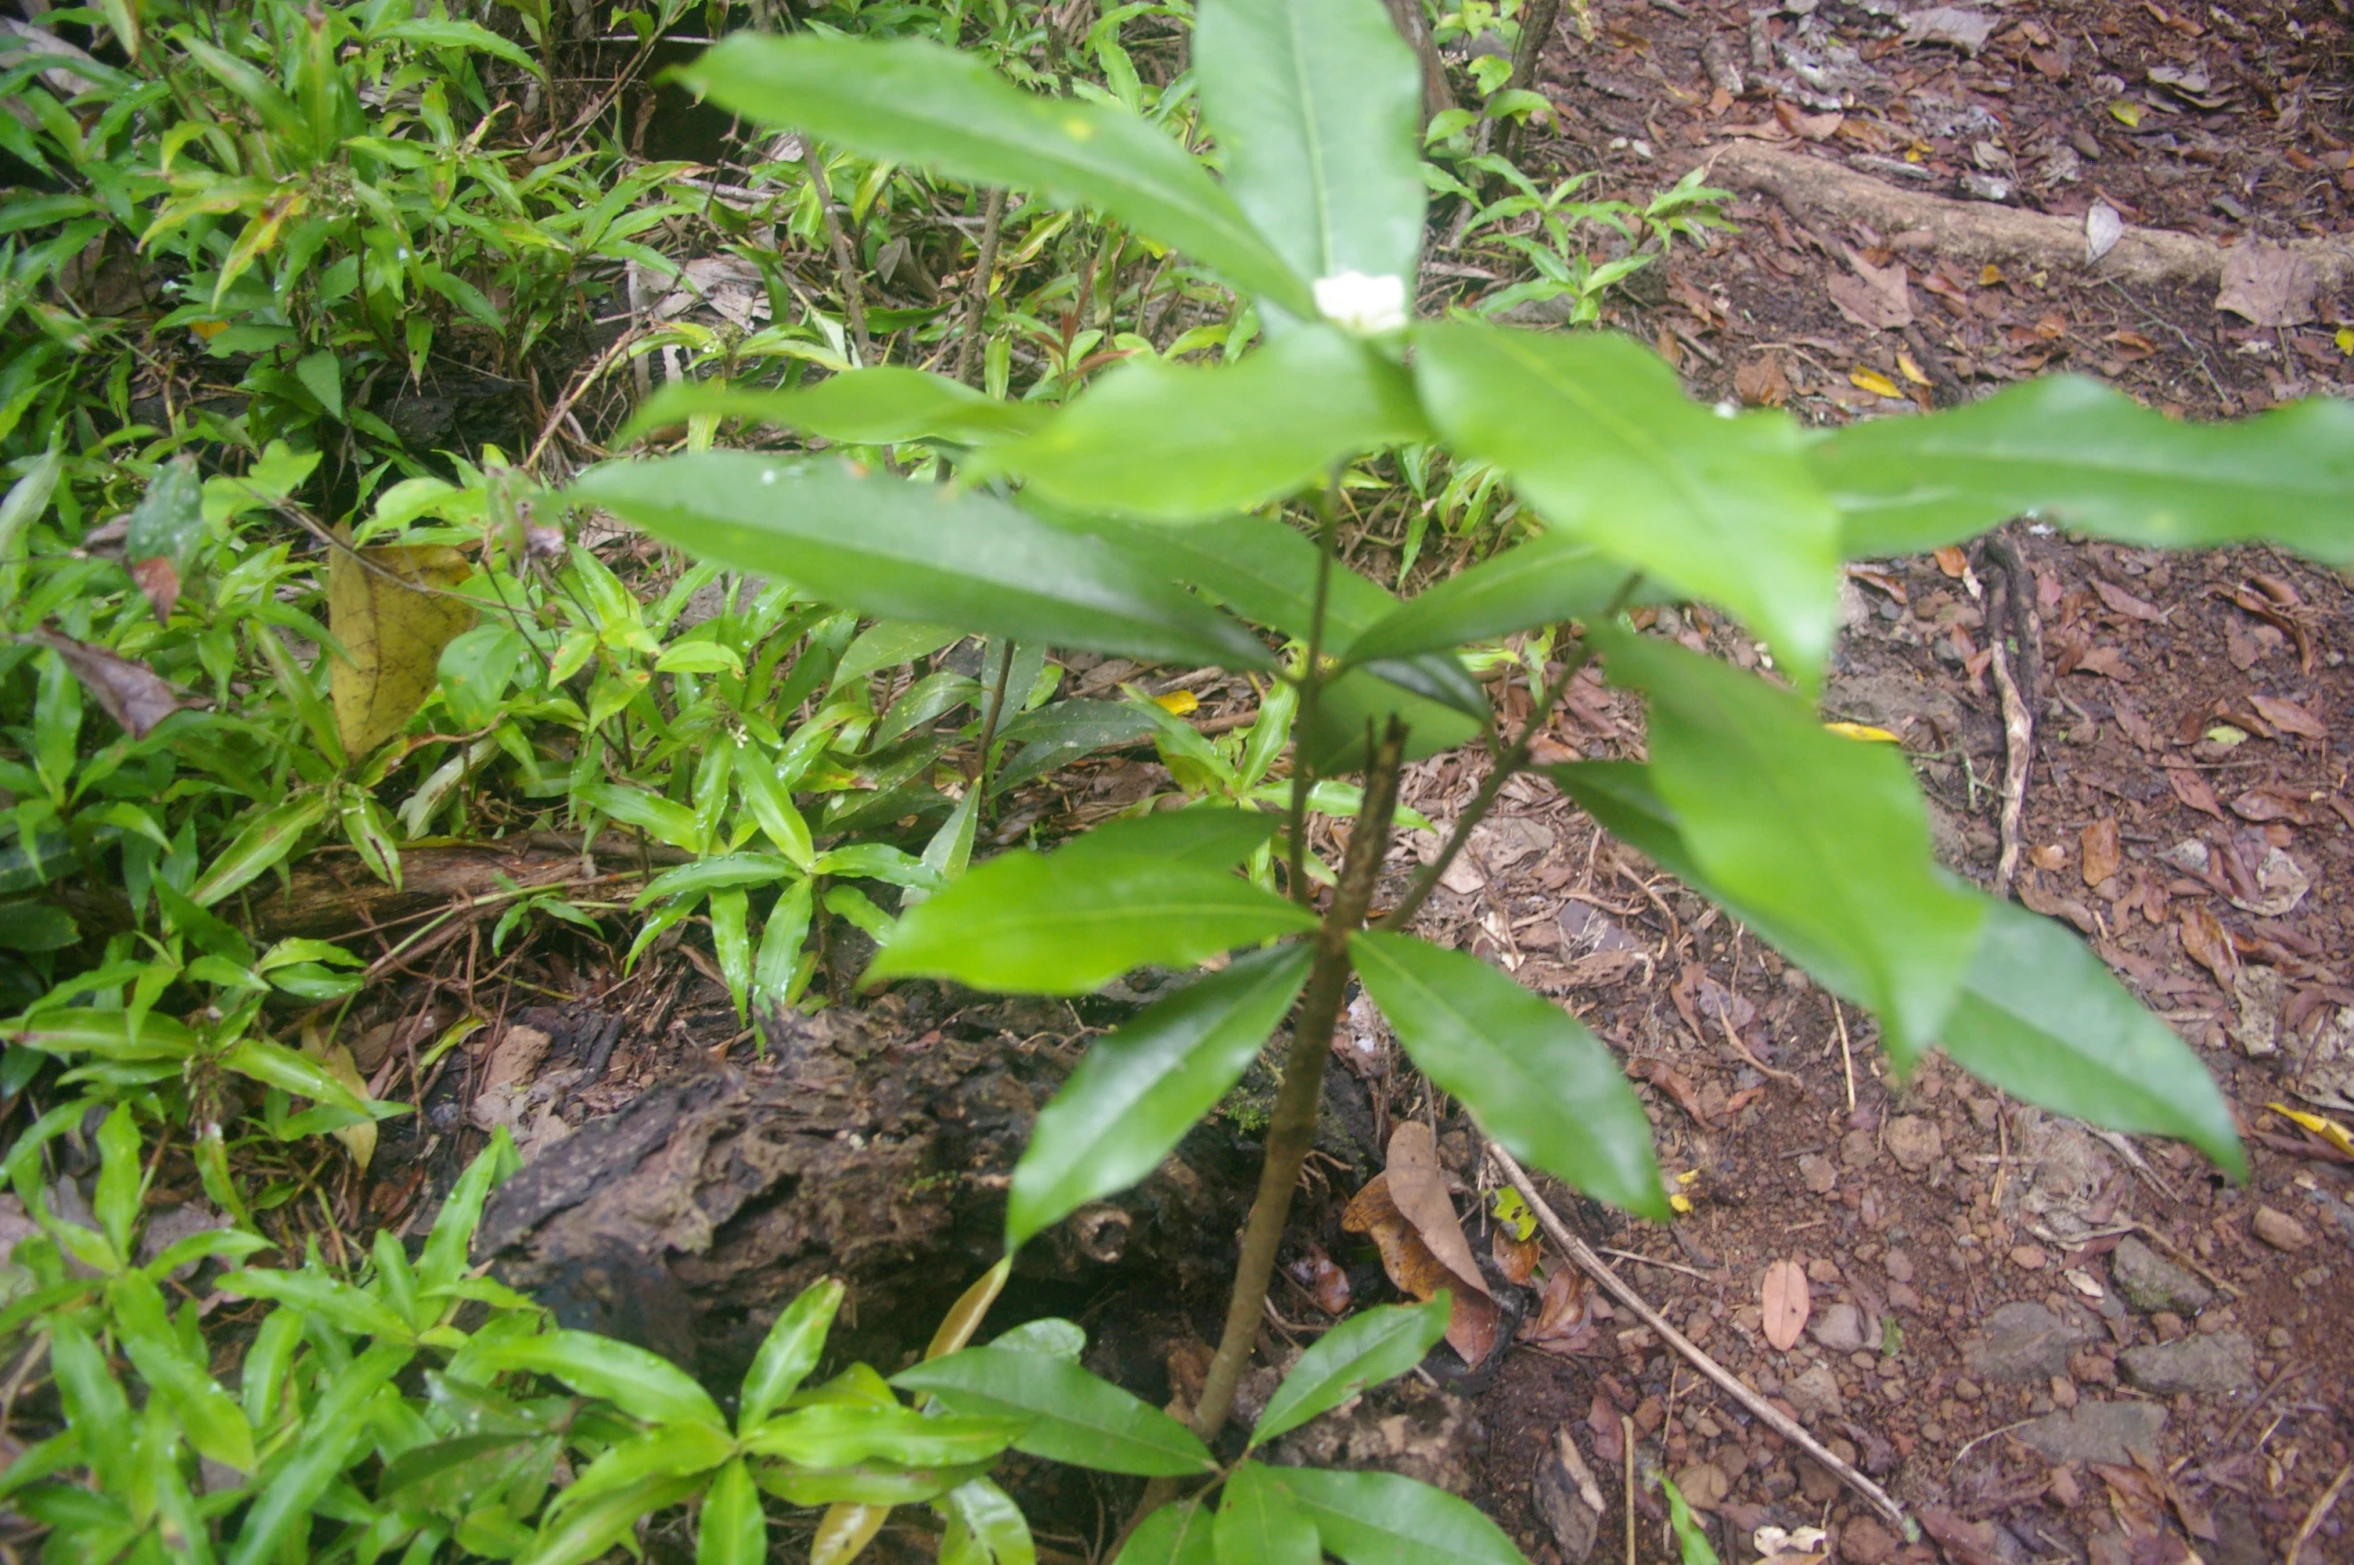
{"x":2049,"y":1345}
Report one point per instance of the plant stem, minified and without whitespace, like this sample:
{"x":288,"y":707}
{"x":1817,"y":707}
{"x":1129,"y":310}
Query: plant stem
{"x":1511,"y":761}
{"x":1303,"y":776}
{"x":977,"y":302}
{"x":1292,"y":1130}
{"x":853,"y":304}
{"x":1005,"y":668}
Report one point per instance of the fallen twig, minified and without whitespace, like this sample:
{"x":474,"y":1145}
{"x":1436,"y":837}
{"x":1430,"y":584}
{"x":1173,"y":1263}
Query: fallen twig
{"x":2018,"y":694}
{"x":2319,"y":1514}
{"x":1732,"y":1385}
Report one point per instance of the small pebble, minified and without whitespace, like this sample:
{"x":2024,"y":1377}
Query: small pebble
{"x":2028,"y":1257}
{"x":2280,"y":1230}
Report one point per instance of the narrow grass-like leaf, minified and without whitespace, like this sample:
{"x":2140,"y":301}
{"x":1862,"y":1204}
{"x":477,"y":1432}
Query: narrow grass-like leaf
{"x":911,"y":101}
{"x":1143,"y":1086}
{"x":2087,"y":456}
{"x":733,"y":1527}
{"x":1077,"y":1418}
{"x":1603,"y":444}
{"x":640,"y":1383}
{"x":869,"y":407}
{"x":1541,"y":1084}
{"x":927,"y":552}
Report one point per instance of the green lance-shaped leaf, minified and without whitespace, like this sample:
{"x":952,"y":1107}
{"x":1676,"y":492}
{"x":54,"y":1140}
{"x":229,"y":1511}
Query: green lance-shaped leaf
{"x":1027,"y":924}
{"x":994,"y":1521}
{"x":789,"y":1352}
{"x":1259,"y":1525}
{"x":1076,"y":1417}
{"x":443,"y":1260}
{"x":1179,"y":1533}
{"x":1544,"y":581}
{"x":310,"y":1464}
{"x":1142,"y":1087}
{"x":1816,"y":841}
{"x":110,"y":1035}
{"x":1317,"y":108}
{"x":1540,"y":1083}
{"x":2037,"y":1013}
{"x":870,"y":407}
{"x":880,"y":1486}
{"x":666,"y":1451}
{"x":839,"y":1434}
{"x":640,"y":1383}
{"x":732,"y":1528}
{"x":1384,"y":1519}
{"x":1602,"y":443}
{"x":1173,"y":443}
{"x":268,"y":838}
{"x":1365,"y":1350}
{"x":587,"y":1532}
{"x":2089,"y":457}
{"x":915,"y":102}
{"x":927,"y":552}
{"x":2040,"y":1017}
{"x":1210,"y":837}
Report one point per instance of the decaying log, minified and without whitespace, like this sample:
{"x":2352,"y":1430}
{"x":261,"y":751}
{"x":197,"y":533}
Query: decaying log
{"x":332,"y":894}
{"x":871,"y":1146}
{"x":1979,"y":231}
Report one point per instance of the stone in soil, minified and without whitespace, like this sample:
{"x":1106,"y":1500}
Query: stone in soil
{"x":1815,"y":1392}
{"x":1915,"y":1142}
{"x":2024,"y":1343}
{"x":2201,"y":1364}
{"x":2109,"y":1432}
{"x":1839,"y":1329}
{"x":1865,"y":1542}
{"x":2151,"y":1283}
{"x":2280,"y":1230}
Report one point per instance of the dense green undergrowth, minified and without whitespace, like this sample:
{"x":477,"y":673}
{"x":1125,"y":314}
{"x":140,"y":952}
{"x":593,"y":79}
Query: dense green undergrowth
{"x":1106,"y":332}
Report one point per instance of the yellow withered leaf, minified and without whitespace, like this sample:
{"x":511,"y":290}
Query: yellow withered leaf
{"x":1178,"y":702}
{"x":391,"y":610}
{"x":360,"y":1139}
{"x":1874,"y":382}
{"x":1863,"y":731}
{"x":2328,"y":1130}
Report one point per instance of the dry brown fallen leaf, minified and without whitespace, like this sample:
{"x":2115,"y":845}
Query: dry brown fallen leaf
{"x":391,"y":609}
{"x":1473,"y":1319}
{"x":2192,"y":789}
{"x":2103,"y":855}
{"x":1516,"y":1258}
{"x":2207,"y":943}
{"x":2289,"y":717}
{"x":2122,"y":602}
{"x":1564,"y":1322}
{"x":1786,"y":1299}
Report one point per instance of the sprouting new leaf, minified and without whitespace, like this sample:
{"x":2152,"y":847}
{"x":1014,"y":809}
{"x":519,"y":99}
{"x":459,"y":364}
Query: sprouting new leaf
{"x":1369,"y":1348}
{"x":789,"y":1352}
{"x":911,"y":101}
{"x":1603,"y":444}
{"x":869,"y":407}
{"x":1818,"y":843}
{"x":732,"y":1528}
{"x":392,"y":611}
{"x":2089,"y":457}
{"x":1540,"y":1083}
{"x":2042,"y":1018}
{"x":1074,"y":1416}
{"x":925,"y":552}
{"x":1143,"y":1086}
{"x":1027,"y":924}
{"x":1385,"y":1519}
{"x":1317,"y":106}
{"x":1171,"y":443}
{"x":1259,"y":1525}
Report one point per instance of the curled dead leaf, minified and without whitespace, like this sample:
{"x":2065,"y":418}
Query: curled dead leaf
{"x":1786,"y":1300}
{"x":130,"y":692}
{"x":2289,"y":717}
{"x":2103,"y":854}
{"x":2206,"y":942}
{"x":1473,"y":1320}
